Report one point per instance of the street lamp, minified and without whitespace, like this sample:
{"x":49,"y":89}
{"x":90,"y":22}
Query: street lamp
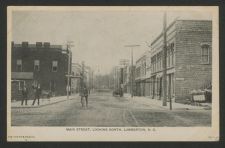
{"x":132,"y":73}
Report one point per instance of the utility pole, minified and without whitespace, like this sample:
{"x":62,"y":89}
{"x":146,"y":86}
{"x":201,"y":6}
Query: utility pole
{"x":132,"y":71}
{"x":164,"y":77}
{"x":82,"y":79}
{"x":68,"y":78}
{"x":92,"y":80}
{"x":68,"y":46}
{"x":170,"y":93}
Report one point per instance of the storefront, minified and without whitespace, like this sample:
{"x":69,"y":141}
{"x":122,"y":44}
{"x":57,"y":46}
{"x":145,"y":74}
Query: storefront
{"x":18,"y":81}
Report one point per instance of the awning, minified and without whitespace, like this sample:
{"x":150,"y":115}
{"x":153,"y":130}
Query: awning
{"x":22,"y":75}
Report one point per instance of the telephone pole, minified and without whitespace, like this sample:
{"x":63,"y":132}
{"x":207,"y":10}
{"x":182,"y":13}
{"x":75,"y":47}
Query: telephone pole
{"x":164,"y":77}
{"x":82,"y":78}
{"x":132,"y":70}
{"x":68,"y":46}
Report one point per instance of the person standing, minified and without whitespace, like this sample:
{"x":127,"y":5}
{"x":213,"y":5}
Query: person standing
{"x":84,"y":94}
{"x":37,"y":92}
{"x":24,"y":95}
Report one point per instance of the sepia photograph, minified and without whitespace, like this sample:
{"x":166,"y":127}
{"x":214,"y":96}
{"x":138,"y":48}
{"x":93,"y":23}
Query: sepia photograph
{"x":112,"y":73}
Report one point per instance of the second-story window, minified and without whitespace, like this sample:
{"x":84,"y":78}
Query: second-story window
{"x":36,"y":65}
{"x":160,"y":61}
{"x":168,"y":58}
{"x":153,"y":63}
{"x":172,"y":54}
{"x":19,"y":65}
{"x":54,"y":66}
{"x":144,"y":68}
{"x":205,"y":54}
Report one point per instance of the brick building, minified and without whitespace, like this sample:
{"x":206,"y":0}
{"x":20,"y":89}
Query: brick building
{"x":140,"y":75}
{"x":148,"y":73}
{"x":39,"y":63}
{"x":189,"y":59}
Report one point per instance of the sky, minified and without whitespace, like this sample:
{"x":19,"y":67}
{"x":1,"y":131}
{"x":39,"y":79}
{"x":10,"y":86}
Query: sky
{"x":99,"y":37}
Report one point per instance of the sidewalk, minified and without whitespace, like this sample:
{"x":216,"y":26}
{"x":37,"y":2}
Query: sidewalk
{"x":43,"y":102}
{"x":158,"y":103}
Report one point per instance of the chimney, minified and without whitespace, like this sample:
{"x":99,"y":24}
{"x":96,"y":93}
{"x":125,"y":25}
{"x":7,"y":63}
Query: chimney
{"x":25,"y":44}
{"x":38,"y":44}
{"x":46,"y":44}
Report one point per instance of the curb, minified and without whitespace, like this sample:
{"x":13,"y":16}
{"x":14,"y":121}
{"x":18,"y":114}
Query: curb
{"x":188,"y":108}
{"x":40,"y":105}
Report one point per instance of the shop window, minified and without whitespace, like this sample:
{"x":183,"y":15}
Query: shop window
{"x":54,"y":66}
{"x":21,"y":84}
{"x":36,"y":65}
{"x":160,"y":61}
{"x":167,"y":59}
{"x":52,"y":85}
{"x":153,"y":63}
{"x":173,"y":84}
{"x":19,"y":65}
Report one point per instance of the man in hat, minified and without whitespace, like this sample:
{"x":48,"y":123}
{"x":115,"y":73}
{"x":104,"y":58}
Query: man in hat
{"x":84,"y":94}
{"x":24,"y":94}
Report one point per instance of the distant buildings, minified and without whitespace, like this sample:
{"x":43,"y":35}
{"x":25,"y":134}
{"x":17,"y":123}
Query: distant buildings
{"x":140,"y":74}
{"x":116,"y":77}
{"x":189,"y":61}
{"x":121,"y":75}
{"x":89,"y":76}
{"x":77,"y":71}
{"x":124,"y":74}
{"x":128,"y":79}
{"x":39,"y":63}
{"x":75,"y":82}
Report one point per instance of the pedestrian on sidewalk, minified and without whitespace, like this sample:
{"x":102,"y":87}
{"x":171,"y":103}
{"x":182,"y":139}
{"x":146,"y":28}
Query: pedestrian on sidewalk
{"x":37,"y":92}
{"x":84,"y":94}
{"x":24,"y":95}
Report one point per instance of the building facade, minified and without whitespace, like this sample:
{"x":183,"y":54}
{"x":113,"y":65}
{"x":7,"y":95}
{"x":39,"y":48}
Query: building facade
{"x":140,"y":75}
{"x":148,"y":73}
{"x":39,"y":63}
{"x":116,"y":77}
{"x":189,"y":59}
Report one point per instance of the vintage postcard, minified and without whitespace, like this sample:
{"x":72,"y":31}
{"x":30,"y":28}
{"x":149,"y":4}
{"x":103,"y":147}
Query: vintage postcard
{"x":111,"y":73}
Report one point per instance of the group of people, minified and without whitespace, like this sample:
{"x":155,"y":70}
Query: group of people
{"x":37,"y":94}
